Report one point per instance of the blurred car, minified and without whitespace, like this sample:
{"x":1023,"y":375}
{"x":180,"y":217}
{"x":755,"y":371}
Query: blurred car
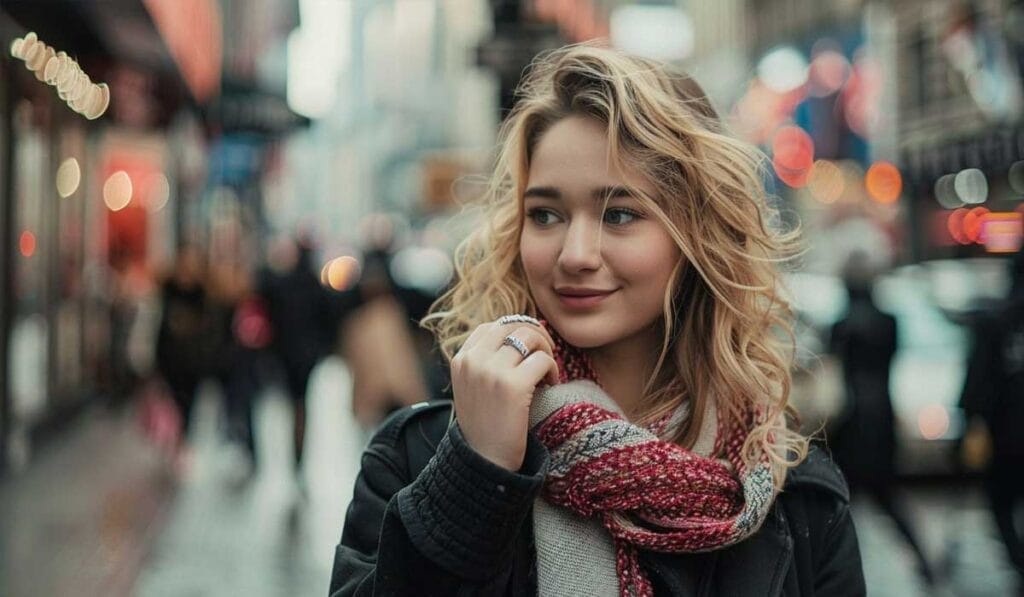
{"x":931,"y":303}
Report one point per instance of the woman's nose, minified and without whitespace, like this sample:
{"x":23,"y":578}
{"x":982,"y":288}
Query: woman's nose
{"x":581,"y":248}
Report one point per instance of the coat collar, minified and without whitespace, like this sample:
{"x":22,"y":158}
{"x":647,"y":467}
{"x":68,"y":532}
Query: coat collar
{"x":755,"y":567}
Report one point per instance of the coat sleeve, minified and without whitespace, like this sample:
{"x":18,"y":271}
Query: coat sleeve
{"x":451,"y":531}
{"x":839,"y":571}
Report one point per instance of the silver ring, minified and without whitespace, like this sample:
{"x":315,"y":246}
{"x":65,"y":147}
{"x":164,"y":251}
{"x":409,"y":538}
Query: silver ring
{"x":517,"y":344}
{"x":507,"y":319}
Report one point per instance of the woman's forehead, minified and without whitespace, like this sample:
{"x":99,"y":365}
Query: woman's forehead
{"x":574,"y":155}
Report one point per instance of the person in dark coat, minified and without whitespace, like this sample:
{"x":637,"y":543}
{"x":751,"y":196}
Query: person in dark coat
{"x":182,"y":349}
{"x":863,"y":436}
{"x":994,"y":393}
{"x":304,"y":330}
{"x":245,"y":334}
{"x":618,"y":423}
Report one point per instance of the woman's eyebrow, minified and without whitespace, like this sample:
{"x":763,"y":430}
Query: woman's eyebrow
{"x":598,"y":194}
{"x":543,"y":193}
{"x":614,"y":192}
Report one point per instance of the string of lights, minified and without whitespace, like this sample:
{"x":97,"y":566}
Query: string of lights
{"x":63,"y":72}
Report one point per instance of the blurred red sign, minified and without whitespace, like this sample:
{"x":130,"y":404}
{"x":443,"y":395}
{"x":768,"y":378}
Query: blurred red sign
{"x":192,"y":31}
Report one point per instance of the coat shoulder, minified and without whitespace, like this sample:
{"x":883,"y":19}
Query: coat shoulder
{"x":818,"y":472}
{"x":411,"y":434}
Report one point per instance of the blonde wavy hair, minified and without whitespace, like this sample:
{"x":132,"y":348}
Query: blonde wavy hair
{"x":727,"y":333}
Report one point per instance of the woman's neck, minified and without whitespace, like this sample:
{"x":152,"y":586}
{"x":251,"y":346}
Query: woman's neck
{"x":624,"y":368}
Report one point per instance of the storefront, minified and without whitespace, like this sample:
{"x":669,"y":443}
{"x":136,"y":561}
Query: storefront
{"x":68,"y":247}
{"x":53,"y":335}
{"x":962,"y":127}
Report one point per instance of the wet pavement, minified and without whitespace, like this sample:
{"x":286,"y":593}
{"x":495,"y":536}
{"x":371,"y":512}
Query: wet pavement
{"x":99,"y":513}
{"x":957,"y":535}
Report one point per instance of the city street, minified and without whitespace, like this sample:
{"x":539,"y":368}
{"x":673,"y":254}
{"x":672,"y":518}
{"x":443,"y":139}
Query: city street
{"x":126,"y":528}
{"x":211,"y":209}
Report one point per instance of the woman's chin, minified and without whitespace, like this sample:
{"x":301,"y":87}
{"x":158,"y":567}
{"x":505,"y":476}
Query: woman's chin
{"x":578,"y":337}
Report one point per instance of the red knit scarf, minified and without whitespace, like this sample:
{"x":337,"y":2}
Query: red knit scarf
{"x":648,"y":493}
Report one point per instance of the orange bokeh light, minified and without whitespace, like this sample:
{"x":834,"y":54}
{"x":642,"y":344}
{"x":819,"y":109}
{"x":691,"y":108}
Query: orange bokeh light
{"x":883,"y":182}
{"x":825,"y":181}
{"x":27,"y":244}
{"x":341,"y":273}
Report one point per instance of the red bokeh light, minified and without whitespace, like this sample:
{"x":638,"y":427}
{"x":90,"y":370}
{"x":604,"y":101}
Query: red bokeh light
{"x":973,"y":222}
{"x":792,"y":155}
{"x":27,"y":244}
{"x":955,"y":225}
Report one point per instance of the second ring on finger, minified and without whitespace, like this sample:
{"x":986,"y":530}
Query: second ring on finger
{"x":517,"y":344}
{"x":522,"y":340}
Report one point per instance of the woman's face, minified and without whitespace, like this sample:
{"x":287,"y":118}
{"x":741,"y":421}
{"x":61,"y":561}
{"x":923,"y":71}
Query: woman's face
{"x":597,"y":275}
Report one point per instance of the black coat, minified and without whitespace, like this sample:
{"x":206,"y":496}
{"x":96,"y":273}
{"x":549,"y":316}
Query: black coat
{"x":863,"y":436}
{"x":183,"y":340}
{"x":301,"y":315}
{"x":430,"y":516}
{"x":994,"y":387}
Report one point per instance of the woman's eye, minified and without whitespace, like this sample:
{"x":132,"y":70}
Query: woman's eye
{"x":618,"y":216}
{"x":542,"y":217}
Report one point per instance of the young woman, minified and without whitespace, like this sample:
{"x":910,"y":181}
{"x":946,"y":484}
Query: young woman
{"x":625,"y":432}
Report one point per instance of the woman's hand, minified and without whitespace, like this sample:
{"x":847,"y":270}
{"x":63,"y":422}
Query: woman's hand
{"x":493,"y":385}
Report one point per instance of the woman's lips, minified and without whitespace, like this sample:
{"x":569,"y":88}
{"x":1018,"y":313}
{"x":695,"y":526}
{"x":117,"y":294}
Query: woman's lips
{"x":583,"y":301}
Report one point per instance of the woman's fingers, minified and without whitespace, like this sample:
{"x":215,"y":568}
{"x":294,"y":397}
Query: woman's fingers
{"x":537,"y":326}
{"x":488,"y":343}
{"x":493,"y":328}
{"x":540,"y":366}
{"x":474,"y":337}
{"x":491,"y":379}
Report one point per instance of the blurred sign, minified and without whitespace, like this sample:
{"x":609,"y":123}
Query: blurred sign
{"x":235,"y":159}
{"x":252,"y":111}
{"x":995,"y":149}
{"x":578,"y":20}
{"x":192,"y":31}
{"x":1002,"y":232}
{"x":979,"y":53}
{"x":439,"y":176}
{"x":127,"y":226}
{"x":511,"y":50}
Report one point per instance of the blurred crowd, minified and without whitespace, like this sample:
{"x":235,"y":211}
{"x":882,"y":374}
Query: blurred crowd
{"x":861,"y":432}
{"x":247,"y":329}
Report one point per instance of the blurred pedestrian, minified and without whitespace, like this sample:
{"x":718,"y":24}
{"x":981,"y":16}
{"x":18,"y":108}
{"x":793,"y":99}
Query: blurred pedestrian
{"x":993,"y":396}
{"x":243,"y":335}
{"x":620,"y":392}
{"x":379,"y":347}
{"x":183,"y":350}
{"x":863,"y":435}
{"x":304,"y":331}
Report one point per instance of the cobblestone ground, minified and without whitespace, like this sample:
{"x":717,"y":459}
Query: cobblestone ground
{"x":98,"y":513}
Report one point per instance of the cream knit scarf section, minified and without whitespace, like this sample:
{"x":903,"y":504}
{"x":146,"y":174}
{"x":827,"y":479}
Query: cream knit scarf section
{"x":575,"y":555}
